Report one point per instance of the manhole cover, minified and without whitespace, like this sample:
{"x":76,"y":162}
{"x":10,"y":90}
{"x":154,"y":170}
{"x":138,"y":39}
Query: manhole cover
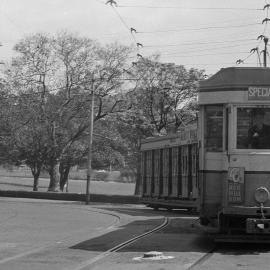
{"x":153,"y":255}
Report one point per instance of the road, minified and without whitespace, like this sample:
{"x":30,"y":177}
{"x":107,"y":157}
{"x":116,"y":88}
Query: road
{"x":36,"y":234}
{"x":57,"y":235}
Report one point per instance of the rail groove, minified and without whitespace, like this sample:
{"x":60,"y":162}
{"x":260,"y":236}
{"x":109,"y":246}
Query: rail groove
{"x":122,"y":245}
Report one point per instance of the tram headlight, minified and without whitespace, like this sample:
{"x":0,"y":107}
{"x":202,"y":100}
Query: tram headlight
{"x":261,"y":195}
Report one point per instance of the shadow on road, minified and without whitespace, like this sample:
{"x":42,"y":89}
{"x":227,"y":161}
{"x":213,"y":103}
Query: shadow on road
{"x":242,"y":248}
{"x":182,"y":235}
{"x":150,"y":212}
{"x":174,"y":238}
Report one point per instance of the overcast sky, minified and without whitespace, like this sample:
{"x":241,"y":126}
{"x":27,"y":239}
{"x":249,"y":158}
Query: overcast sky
{"x":205,"y":34}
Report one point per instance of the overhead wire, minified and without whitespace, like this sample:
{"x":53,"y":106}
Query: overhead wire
{"x":189,"y":8}
{"x":113,"y":4}
{"x":197,"y":29}
{"x":241,"y":61}
{"x":206,"y":25}
{"x":135,"y":37}
{"x":139,"y":45}
{"x":206,"y":54}
{"x":200,"y":43}
{"x":207,"y":49}
{"x":164,"y":49}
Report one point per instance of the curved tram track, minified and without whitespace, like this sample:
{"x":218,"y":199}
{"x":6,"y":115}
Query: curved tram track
{"x":118,"y":221}
{"x":124,"y":244}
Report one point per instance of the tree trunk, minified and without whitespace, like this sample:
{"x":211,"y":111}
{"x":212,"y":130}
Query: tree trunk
{"x":54,"y":168}
{"x":35,"y":172}
{"x":64,"y":172}
{"x":54,"y":177}
{"x":36,"y":180}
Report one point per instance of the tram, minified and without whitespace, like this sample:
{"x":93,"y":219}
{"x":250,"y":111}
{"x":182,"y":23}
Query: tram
{"x":224,"y":170}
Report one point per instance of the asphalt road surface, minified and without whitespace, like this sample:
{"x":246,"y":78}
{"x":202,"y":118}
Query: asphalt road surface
{"x":40,"y":234}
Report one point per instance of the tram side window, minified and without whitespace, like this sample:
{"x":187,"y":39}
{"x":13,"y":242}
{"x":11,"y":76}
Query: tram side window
{"x":253,"y":128}
{"x":213,"y":128}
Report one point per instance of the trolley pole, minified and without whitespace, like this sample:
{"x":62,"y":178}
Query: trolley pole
{"x":265,"y":52}
{"x":89,"y":162}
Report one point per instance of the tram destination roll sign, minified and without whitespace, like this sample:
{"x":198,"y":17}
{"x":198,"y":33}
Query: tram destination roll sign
{"x":235,"y":185}
{"x":258,"y":93}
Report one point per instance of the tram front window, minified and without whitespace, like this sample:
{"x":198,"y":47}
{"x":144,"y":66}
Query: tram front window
{"x":213,"y":128}
{"x":253,"y":128}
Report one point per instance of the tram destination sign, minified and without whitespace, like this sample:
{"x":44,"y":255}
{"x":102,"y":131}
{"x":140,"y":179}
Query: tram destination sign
{"x":235,"y":185}
{"x":258,"y":93}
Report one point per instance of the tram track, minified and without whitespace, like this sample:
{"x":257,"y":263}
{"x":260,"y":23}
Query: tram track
{"x":118,"y":220}
{"x":122,"y":245}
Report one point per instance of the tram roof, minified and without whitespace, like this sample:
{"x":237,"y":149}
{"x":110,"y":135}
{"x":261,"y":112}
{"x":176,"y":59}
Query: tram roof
{"x":187,"y":135}
{"x":237,"y":77}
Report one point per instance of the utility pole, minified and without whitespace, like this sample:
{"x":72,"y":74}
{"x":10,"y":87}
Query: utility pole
{"x":265,"y":39}
{"x":89,"y":163}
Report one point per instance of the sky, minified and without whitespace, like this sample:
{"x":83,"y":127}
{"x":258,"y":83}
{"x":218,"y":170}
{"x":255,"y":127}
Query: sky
{"x":203,"y":34}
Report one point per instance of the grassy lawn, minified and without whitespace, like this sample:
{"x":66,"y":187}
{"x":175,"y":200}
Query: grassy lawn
{"x":75,"y":186}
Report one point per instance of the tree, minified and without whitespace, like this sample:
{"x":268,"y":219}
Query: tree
{"x":165,"y":93}
{"x":163,"y":97}
{"x":5,"y":128}
{"x":102,"y":75}
{"x":58,"y":74}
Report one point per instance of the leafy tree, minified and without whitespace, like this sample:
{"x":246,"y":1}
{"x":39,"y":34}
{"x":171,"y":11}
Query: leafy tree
{"x":163,"y":97}
{"x":165,"y":93}
{"x":5,"y":128}
{"x":58,"y":75}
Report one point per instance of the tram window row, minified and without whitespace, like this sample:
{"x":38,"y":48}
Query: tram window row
{"x":170,"y":172}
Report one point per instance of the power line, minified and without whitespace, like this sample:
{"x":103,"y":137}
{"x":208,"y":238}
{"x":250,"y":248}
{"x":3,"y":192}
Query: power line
{"x":195,"y":43}
{"x":184,"y":29}
{"x":130,"y":29}
{"x":211,"y":64}
{"x":120,"y":17}
{"x":208,"y":49}
{"x":197,"y":29}
{"x":190,"y":8}
{"x":196,"y":50}
{"x":134,"y":31}
{"x":241,"y":61}
{"x":206,"y":54}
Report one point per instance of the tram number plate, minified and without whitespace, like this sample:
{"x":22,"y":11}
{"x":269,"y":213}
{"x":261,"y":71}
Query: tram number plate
{"x":259,"y":226}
